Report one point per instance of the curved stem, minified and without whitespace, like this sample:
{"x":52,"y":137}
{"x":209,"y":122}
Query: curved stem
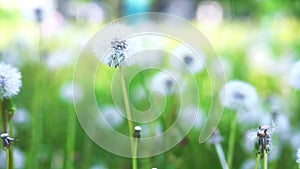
{"x":231,"y":141}
{"x":257,"y":161}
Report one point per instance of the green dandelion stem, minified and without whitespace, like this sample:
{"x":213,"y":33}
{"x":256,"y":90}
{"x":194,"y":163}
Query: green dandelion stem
{"x":128,"y":114}
{"x":231,"y":141}
{"x":71,"y":135}
{"x":10,"y":150}
{"x":3,"y":116}
{"x":126,"y":102}
{"x":257,"y":161}
{"x":134,"y":158}
{"x":265,"y":159}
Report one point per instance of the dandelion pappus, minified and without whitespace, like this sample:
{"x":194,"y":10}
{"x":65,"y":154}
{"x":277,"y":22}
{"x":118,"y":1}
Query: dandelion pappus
{"x":264,"y":138}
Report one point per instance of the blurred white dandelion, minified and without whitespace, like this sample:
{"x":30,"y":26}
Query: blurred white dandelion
{"x":298,"y":156}
{"x":10,"y":81}
{"x":19,"y":159}
{"x":210,"y":13}
{"x":250,"y":116}
{"x":295,"y":140}
{"x":238,"y":95}
{"x":90,"y":12}
{"x":151,"y":129}
{"x":109,"y":116}
{"x":59,"y":59}
{"x":195,"y":63}
{"x":188,"y":114}
{"x":294,"y":76}
{"x":164,"y":82}
{"x":181,"y":8}
{"x":249,"y":140}
{"x":70,"y":92}
{"x":111,"y":46}
{"x":98,"y":166}
{"x":248,"y":164}
{"x":29,"y":8}
{"x":21,"y":116}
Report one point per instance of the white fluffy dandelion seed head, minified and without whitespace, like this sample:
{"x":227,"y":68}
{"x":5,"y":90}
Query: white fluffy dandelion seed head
{"x":111,"y":40}
{"x":238,"y":95}
{"x":188,"y":59}
{"x":10,"y":81}
{"x":294,"y":76}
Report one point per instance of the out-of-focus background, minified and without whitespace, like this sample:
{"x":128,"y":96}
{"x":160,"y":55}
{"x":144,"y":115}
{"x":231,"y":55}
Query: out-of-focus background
{"x":257,"y":41}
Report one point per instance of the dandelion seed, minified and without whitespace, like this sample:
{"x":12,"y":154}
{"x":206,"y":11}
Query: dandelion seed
{"x":294,"y":76}
{"x":238,"y":95}
{"x":10,"y":81}
{"x":111,"y":45}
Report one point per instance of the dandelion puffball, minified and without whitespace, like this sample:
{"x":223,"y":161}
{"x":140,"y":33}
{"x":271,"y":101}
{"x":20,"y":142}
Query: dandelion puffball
{"x":10,"y":81}
{"x":294,"y":76}
{"x":111,"y":46}
{"x":238,"y":95}
{"x":188,"y":59}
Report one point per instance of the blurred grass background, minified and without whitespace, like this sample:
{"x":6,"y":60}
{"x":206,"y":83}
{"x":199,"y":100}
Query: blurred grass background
{"x":257,"y":42}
